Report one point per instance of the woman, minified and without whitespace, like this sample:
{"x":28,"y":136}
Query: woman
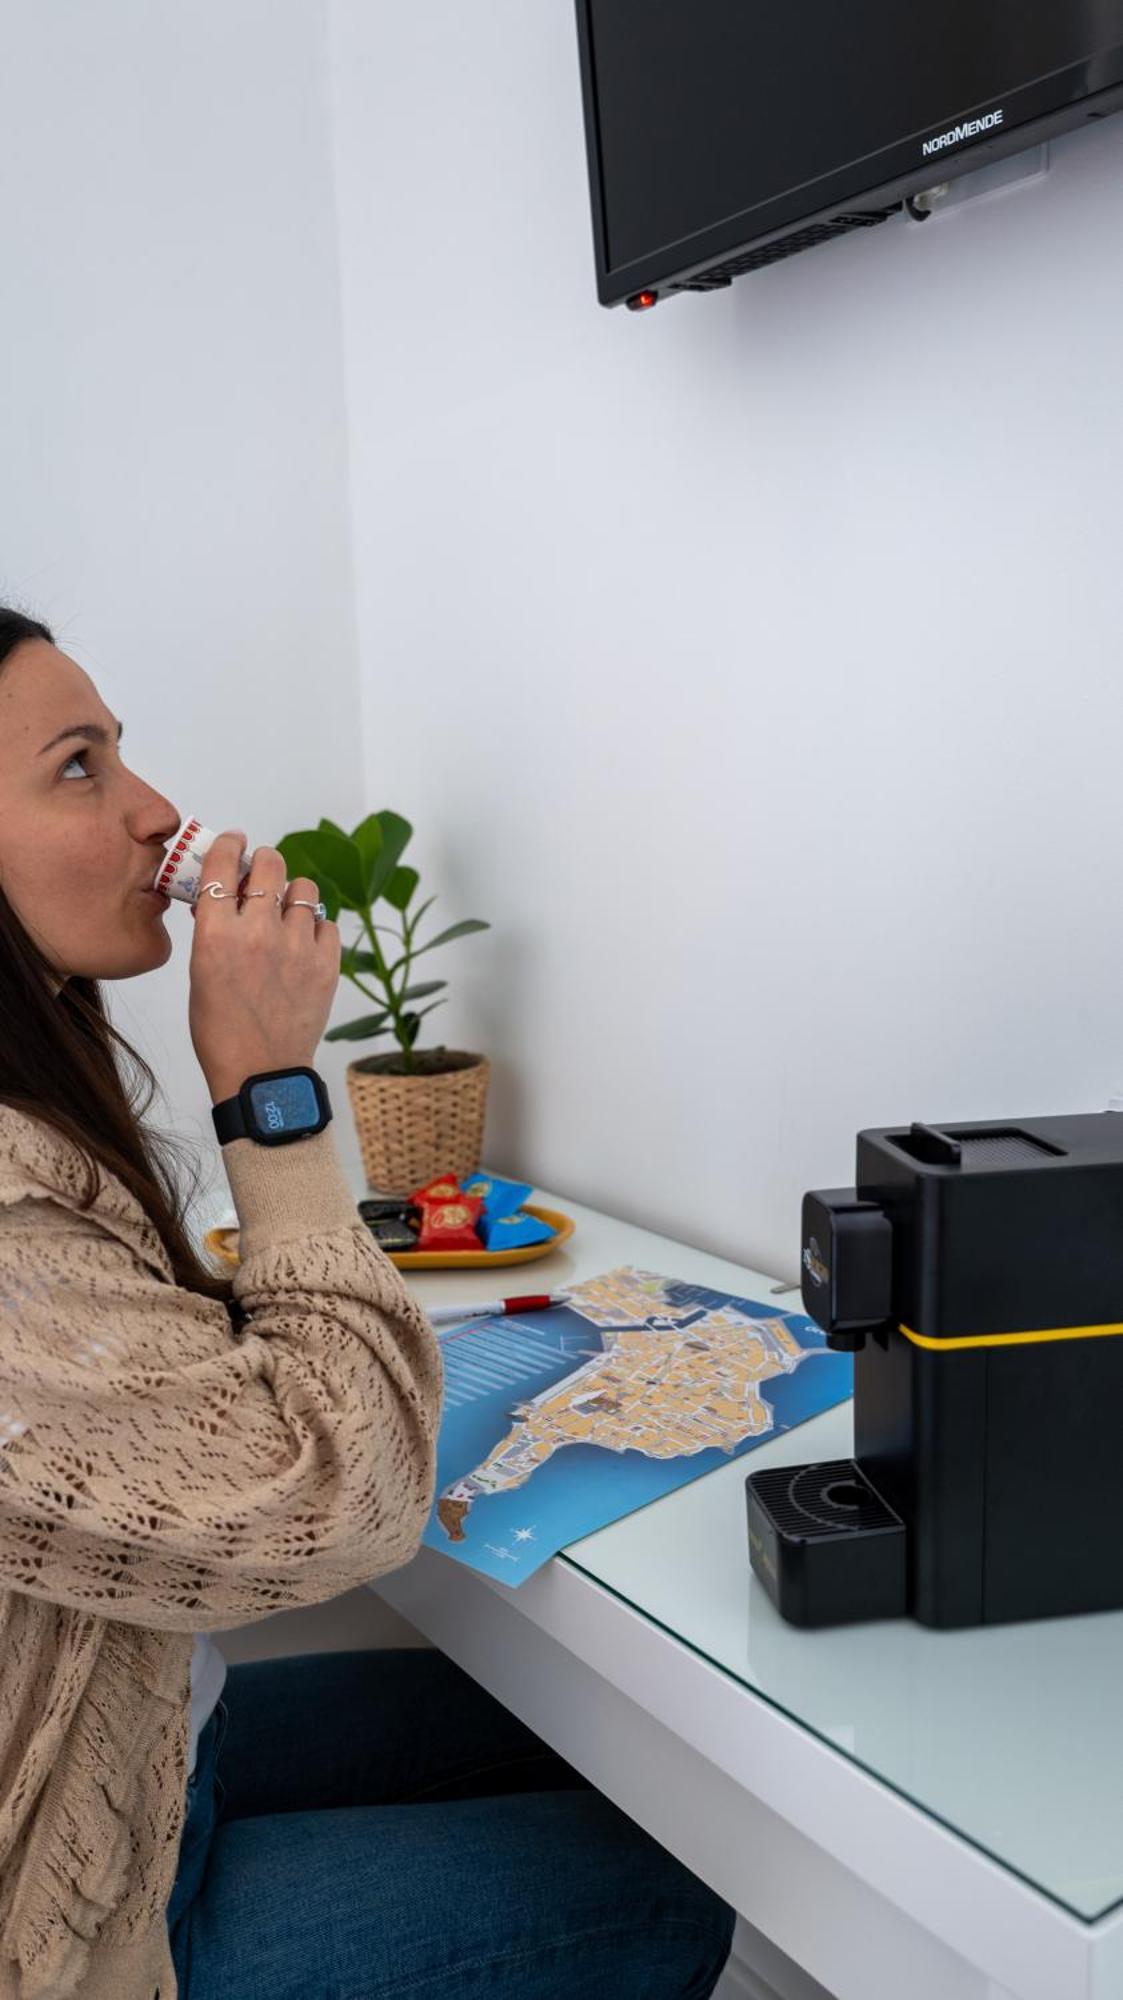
{"x":180,"y":1452}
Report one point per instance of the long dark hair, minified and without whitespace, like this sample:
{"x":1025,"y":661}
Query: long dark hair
{"x":59,"y":1064}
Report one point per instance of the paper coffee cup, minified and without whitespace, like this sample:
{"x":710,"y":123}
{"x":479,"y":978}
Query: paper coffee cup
{"x":181,"y":871}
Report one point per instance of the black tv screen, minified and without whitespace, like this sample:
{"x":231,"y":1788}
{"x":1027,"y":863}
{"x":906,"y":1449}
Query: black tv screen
{"x":718,"y":126}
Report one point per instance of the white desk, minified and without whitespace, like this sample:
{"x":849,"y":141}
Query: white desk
{"x":908,"y":1815}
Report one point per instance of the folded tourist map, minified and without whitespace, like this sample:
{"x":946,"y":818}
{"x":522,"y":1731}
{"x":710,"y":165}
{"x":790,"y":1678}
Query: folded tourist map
{"x":557,"y":1422}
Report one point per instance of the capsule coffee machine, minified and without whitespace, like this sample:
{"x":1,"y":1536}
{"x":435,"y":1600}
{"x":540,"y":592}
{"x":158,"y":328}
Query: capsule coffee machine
{"x":976,"y":1272}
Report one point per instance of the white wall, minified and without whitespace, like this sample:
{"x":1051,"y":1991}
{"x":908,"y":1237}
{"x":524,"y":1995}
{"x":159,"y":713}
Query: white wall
{"x":753,"y":665}
{"x":174,"y":496}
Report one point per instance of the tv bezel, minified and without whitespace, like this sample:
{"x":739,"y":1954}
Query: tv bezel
{"x":1035,"y":112}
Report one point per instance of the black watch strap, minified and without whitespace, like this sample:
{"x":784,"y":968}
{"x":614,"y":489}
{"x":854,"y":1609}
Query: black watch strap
{"x":274,"y":1107}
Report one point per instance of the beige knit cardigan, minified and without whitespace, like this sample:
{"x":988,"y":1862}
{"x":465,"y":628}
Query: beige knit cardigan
{"x":161,"y":1475}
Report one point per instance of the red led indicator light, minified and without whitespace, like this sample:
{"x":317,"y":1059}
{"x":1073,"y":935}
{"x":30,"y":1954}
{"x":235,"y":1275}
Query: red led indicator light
{"x":643,"y":301}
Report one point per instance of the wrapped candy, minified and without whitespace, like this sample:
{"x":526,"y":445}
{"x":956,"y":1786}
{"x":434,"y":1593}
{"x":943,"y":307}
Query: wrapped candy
{"x":514,"y":1232}
{"x":446,"y":1188}
{"x":391,"y":1233}
{"x":393,"y":1224}
{"x":500,"y":1197}
{"x":450,"y":1225}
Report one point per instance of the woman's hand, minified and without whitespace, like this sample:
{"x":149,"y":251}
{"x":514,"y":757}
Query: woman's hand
{"x":262,"y":978}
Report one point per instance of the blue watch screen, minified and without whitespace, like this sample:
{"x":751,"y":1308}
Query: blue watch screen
{"x":285,"y":1104}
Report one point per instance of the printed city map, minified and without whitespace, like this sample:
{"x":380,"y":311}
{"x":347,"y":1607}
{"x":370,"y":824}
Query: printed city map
{"x":557,"y":1422}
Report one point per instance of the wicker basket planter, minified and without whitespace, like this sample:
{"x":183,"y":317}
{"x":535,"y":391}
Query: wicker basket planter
{"x":412,"y":1128}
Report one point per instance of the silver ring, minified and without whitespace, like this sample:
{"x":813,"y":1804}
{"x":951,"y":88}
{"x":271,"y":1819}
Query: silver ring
{"x":220,"y":894}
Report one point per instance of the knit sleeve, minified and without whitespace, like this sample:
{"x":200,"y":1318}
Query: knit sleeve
{"x":156,"y":1467}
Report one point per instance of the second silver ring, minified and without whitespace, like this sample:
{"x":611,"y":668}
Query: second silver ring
{"x":298,"y":902}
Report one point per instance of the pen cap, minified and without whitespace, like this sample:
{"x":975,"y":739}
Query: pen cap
{"x":181,"y":871}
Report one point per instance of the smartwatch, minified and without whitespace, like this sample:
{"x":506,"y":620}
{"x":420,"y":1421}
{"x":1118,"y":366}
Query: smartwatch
{"x":274,"y":1107}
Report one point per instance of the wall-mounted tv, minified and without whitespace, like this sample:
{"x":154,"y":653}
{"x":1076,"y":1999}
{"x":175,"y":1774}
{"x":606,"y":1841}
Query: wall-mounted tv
{"x":725,"y":134}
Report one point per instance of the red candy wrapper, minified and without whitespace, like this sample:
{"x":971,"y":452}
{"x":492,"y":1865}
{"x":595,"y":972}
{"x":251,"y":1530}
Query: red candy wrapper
{"x":446,"y":1188}
{"x":450,"y":1225}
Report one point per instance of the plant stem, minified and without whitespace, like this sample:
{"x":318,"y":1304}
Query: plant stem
{"x":393,"y":999}
{"x":364,"y":990}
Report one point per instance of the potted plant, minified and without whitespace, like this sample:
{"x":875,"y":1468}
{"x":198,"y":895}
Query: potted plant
{"x":419,"y":1112}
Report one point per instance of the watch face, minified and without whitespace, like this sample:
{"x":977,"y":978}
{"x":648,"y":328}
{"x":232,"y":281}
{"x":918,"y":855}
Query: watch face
{"x":285,"y":1104}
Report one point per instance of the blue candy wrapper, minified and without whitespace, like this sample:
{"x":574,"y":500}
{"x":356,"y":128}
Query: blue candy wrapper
{"x":501,"y":1225}
{"x":499,"y":1197}
{"x":512,"y":1232}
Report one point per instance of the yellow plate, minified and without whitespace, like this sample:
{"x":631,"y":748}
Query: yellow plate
{"x":224,"y":1244}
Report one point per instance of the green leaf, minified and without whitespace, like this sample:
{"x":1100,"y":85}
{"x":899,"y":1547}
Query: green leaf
{"x":427,"y":986}
{"x":329,"y":826}
{"x":343,"y":864}
{"x":465,"y":929}
{"x":299,"y":861}
{"x":412,"y":1022}
{"x":418,"y":914}
{"x":299,"y":854}
{"x":401,"y":886}
{"x":354,"y":960}
{"x":396,"y":836}
{"x":332,"y":860}
{"x":358,"y":1031}
{"x":381,"y":839}
{"x":368,"y":839}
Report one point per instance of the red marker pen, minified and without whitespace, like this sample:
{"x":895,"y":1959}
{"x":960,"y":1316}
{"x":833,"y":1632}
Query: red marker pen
{"x":497,"y":1308}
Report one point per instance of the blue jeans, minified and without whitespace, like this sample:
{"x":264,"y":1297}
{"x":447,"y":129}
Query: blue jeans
{"x":364,"y":1825}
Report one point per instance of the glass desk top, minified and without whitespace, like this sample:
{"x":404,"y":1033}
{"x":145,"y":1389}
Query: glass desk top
{"x":1010,"y":1735}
